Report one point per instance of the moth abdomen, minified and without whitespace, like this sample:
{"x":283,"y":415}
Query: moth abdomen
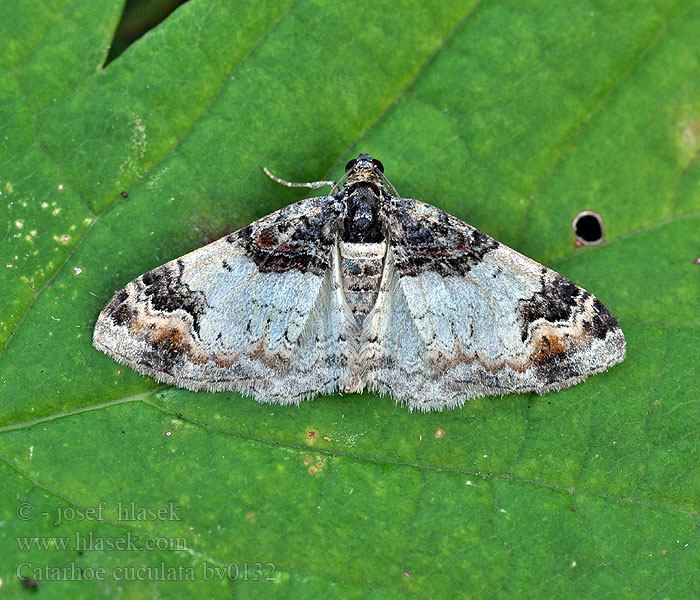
{"x":361,"y":271}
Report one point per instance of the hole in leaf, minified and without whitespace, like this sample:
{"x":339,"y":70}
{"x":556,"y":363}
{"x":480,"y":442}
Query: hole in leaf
{"x":138,"y":18}
{"x":588,"y":228}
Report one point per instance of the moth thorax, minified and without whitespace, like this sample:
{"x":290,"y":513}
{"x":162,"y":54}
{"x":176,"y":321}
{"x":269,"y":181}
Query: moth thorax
{"x":362,"y":223}
{"x":361,"y":271}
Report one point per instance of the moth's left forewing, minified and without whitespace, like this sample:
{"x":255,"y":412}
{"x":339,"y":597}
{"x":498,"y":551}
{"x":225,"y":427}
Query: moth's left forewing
{"x":486,"y":319}
{"x":253,"y":312}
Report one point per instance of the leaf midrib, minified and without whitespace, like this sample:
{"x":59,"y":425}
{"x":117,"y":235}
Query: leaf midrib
{"x":144,"y":399}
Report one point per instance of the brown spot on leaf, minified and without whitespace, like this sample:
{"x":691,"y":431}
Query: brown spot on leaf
{"x":690,"y":137}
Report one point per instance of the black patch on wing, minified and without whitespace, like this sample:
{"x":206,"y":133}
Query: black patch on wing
{"x":558,"y":367}
{"x":164,"y":356}
{"x":123,"y":315}
{"x":446,"y":245}
{"x":602,"y":321}
{"x":119,"y":310}
{"x":282,"y":245}
{"x":556,"y":301}
{"x":167,"y":293}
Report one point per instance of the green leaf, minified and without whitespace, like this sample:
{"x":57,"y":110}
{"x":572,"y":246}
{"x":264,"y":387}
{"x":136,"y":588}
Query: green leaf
{"x":514,"y":116}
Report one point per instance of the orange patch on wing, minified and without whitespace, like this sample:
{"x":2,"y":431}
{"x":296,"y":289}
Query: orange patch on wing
{"x":169,"y":334}
{"x":179,"y":342}
{"x":138,"y":325}
{"x":224,"y":360}
{"x":273,"y":362}
{"x":547,"y":346}
{"x":459,"y":357}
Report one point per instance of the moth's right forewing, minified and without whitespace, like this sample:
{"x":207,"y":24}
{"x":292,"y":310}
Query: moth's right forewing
{"x":461,"y":315}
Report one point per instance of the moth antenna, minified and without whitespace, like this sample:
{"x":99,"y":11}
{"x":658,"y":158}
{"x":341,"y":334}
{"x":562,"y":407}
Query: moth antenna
{"x":391,"y":187}
{"x":311,"y":184}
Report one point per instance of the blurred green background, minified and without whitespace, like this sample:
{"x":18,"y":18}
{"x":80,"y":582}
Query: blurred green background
{"x":514,"y":116}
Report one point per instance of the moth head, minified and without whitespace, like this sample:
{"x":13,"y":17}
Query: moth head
{"x":364,"y":162}
{"x":364,"y":168}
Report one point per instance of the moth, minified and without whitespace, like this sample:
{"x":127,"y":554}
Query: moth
{"x":360,"y":290}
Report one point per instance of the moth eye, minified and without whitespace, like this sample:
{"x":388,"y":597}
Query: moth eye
{"x":378,"y":164}
{"x":350,"y":164}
